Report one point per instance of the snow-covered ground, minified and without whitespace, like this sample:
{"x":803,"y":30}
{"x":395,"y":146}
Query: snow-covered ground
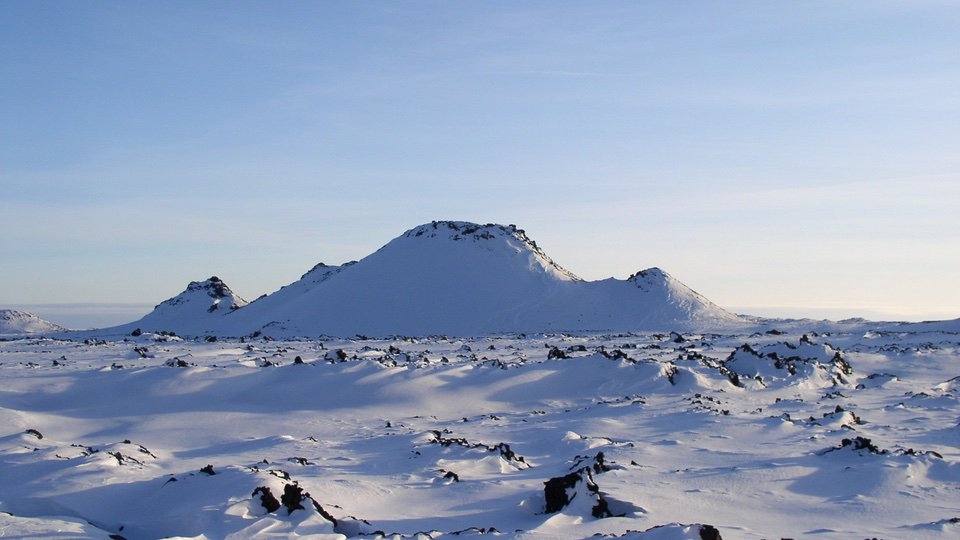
{"x":839,"y":435}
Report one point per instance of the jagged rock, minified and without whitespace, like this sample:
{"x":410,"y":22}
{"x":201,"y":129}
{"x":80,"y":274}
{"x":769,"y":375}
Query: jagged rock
{"x":709,"y":532}
{"x":561,"y":491}
{"x":450,"y":475}
{"x":267,"y":500}
{"x":177,"y":362}
{"x":862,"y":443}
{"x":338,"y":355}
{"x":598,"y":463}
{"x":787,"y":362}
{"x":505,"y":451}
{"x":292,"y":497}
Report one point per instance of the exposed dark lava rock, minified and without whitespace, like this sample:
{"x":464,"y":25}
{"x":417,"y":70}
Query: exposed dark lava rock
{"x":598,"y":463}
{"x":292,"y":497}
{"x":562,"y":490}
{"x":267,"y":500}
{"x":709,"y":532}
{"x":177,"y":362}
{"x":862,"y":443}
{"x":450,"y":475}
{"x":505,"y":451}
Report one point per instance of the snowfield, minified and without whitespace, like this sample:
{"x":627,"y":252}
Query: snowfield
{"x":804,"y":432}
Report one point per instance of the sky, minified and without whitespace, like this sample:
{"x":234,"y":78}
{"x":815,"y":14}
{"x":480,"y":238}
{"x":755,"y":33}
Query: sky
{"x":781,"y":158}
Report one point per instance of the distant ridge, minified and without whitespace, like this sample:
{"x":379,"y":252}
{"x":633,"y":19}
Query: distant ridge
{"x":14,"y":322}
{"x":443,"y":277}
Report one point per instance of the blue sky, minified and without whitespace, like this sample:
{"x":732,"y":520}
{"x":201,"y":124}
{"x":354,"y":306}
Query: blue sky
{"x":781,"y":158}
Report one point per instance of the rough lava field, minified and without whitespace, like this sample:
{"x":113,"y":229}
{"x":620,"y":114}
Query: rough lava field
{"x":769,"y":435}
{"x":699,"y":424}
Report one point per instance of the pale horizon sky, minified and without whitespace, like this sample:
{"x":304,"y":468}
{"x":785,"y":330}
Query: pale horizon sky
{"x":781,"y":158}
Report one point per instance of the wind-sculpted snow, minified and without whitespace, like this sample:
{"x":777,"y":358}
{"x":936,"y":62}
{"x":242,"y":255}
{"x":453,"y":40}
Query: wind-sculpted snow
{"x":644,"y":436}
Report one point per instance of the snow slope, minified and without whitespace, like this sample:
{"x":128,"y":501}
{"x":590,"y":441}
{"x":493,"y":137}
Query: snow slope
{"x":13,"y":322}
{"x":454,"y":278}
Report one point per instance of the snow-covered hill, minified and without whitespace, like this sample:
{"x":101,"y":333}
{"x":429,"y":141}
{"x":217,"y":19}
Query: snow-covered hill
{"x":13,"y":322}
{"x":198,"y":307}
{"x":454,"y":278}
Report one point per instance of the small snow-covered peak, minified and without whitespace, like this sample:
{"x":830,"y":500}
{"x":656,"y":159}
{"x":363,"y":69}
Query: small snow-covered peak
{"x":21,"y":322}
{"x":192,"y":311}
{"x":652,"y":278}
{"x":212,"y":293}
{"x":686,"y":303}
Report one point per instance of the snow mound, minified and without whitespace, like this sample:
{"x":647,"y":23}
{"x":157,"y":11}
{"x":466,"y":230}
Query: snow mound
{"x":20,"y":322}
{"x":785,"y":363}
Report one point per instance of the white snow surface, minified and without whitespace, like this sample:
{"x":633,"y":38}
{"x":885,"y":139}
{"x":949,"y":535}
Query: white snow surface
{"x":448,"y":278}
{"x":13,"y":322}
{"x":155,"y":437}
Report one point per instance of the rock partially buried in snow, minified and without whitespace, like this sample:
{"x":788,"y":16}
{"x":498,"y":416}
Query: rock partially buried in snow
{"x":785,"y":363}
{"x":575,"y":493}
